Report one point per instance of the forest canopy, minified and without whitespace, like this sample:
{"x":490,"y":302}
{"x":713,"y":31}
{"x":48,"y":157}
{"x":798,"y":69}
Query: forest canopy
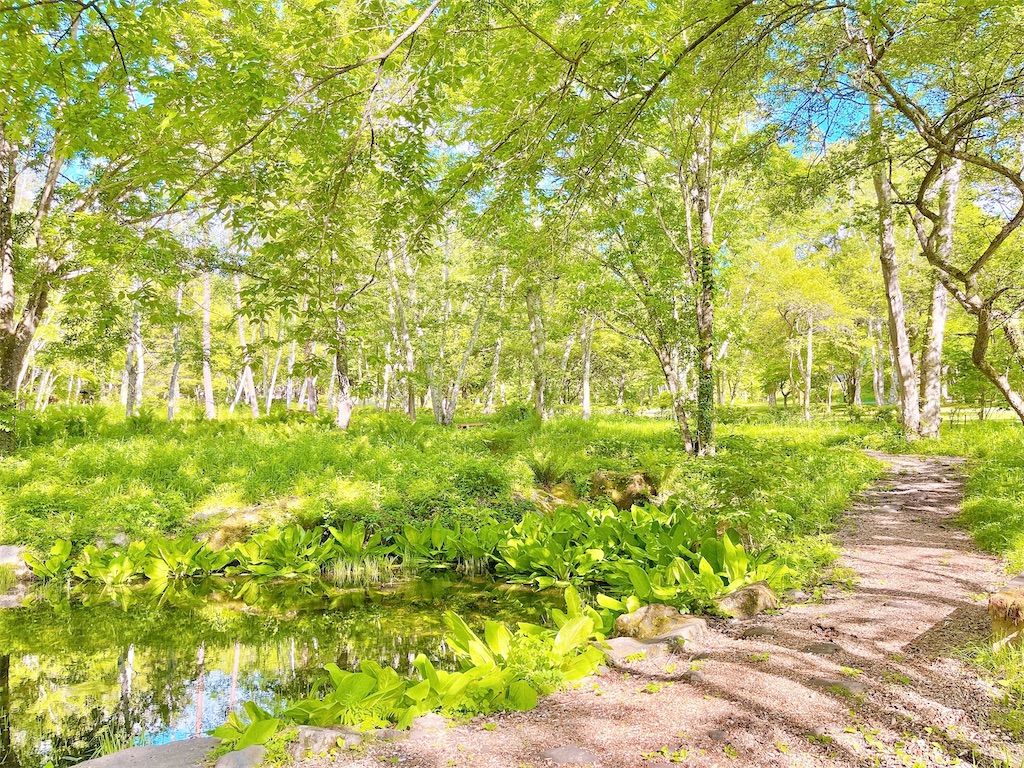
{"x":456,"y":204}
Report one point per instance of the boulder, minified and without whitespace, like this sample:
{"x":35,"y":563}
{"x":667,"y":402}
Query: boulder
{"x":660,"y":622}
{"x":623,"y":650}
{"x":823,"y":649}
{"x":1007,"y":611}
{"x":190,"y":753}
{"x":747,"y":602}
{"x":317,"y":741}
{"x":623,"y":489}
{"x":250,"y":757}
{"x":428,"y":726}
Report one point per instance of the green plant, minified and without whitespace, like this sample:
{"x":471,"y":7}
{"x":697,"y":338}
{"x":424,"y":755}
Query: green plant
{"x":255,"y":726}
{"x":55,"y":565}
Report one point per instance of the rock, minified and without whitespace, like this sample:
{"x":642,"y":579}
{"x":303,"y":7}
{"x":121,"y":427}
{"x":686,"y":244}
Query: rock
{"x":839,"y":685}
{"x":797,"y":596}
{"x":718,"y":735}
{"x":317,"y":741}
{"x":624,"y":490}
{"x":623,"y":650}
{"x":16,"y":597}
{"x":660,"y":622}
{"x":823,"y":649}
{"x":1007,"y":611}
{"x":569,"y":755}
{"x":746,"y":602}
{"x":190,"y":753}
{"x":428,"y":726}
{"x":694,"y":676}
{"x":759,"y":631}
{"x":250,"y":757}
{"x":14,"y":556}
{"x":389,"y":734}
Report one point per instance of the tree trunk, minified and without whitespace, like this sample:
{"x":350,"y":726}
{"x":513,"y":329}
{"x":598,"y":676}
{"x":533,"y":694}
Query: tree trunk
{"x":405,"y":337}
{"x":209,"y":403}
{"x":980,"y":356}
{"x":174,"y":387}
{"x":452,"y":398}
{"x":910,"y":415}
{"x":344,"y":404}
{"x":134,"y":365}
{"x":931,"y":355}
{"x":248,"y":383}
{"x":704,"y":444}
{"x":272,"y":387}
{"x":587,"y":343}
{"x":537,"y":344}
{"x":809,"y":370}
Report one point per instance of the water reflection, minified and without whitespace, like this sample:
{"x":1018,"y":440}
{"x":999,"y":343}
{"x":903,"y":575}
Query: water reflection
{"x":86,"y":670}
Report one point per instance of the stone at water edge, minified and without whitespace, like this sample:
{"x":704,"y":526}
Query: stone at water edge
{"x":659,"y":622}
{"x":250,"y":757}
{"x":14,"y":556}
{"x":746,"y":602}
{"x":190,"y":753}
{"x":619,"y":649}
{"x":316,"y":741}
{"x":569,"y":755}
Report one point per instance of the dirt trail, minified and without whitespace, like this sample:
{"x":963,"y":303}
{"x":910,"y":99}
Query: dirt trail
{"x":864,"y":678}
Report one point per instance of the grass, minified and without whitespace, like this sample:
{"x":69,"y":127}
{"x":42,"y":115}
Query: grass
{"x":86,"y":474}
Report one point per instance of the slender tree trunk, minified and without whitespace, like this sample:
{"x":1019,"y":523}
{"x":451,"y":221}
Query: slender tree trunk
{"x":452,"y":398}
{"x":406,"y":339}
{"x":980,"y":356}
{"x":44,"y":390}
{"x":209,"y":403}
{"x":809,"y":371}
{"x":174,"y":387}
{"x":134,"y":370}
{"x":587,"y":344}
{"x":537,"y":344}
{"x":910,"y":415}
{"x":705,"y":288}
{"x":931,"y":356}
{"x":877,"y":364}
{"x":309,"y":390}
{"x":248,"y":383}
{"x":272,"y":388}
{"x":344,"y":403}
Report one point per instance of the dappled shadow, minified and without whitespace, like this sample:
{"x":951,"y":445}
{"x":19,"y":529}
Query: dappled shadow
{"x":918,"y":601}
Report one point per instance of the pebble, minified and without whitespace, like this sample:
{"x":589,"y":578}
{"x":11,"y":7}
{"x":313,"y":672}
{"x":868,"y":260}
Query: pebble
{"x":250,"y":757}
{"x":718,"y":735}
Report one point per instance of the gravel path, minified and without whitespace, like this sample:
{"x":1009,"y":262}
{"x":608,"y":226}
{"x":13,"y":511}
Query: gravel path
{"x":866,"y":677}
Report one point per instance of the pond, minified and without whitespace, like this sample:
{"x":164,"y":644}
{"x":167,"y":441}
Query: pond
{"x":85,"y":672}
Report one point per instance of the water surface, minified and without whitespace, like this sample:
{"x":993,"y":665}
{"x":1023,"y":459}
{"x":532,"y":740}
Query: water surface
{"x":88,"y":671}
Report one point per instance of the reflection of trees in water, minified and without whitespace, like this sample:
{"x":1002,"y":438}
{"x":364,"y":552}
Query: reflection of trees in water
{"x":175,"y":663}
{"x":8,"y":758}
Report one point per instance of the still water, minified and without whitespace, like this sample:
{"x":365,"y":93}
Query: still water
{"x":89,"y":671}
